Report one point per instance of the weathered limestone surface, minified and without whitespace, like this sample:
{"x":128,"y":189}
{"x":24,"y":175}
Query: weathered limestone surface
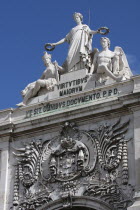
{"x":89,"y":109}
{"x":136,"y":115}
{"x":4,"y":156}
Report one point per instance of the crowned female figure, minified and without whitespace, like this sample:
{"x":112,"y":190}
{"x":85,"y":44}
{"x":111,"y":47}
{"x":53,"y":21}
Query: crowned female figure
{"x":80,"y":45}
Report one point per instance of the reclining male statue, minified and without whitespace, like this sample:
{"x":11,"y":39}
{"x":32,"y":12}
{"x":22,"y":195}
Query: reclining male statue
{"x":48,"y":80}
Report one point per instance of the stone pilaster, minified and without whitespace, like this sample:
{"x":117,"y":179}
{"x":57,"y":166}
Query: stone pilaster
{"x":136,"y":115}
{"x":4,"y":154}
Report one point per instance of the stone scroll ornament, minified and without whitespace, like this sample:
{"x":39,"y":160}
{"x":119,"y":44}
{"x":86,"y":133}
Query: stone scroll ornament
{"x":74,"y":163}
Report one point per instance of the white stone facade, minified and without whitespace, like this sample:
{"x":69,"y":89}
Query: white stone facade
{"x":43,"y":120}
{"x":73,"y":142}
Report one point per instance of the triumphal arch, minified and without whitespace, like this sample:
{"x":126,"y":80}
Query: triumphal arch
{"x":74,"y":140}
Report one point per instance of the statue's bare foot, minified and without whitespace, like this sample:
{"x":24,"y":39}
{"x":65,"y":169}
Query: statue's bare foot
{"x":20,"y":104}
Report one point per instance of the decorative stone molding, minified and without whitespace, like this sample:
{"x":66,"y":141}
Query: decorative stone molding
{"x":93,"y":163}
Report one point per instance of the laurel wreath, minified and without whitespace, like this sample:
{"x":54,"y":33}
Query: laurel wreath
{"x":49,"y":47}
{"x":103,"y":30}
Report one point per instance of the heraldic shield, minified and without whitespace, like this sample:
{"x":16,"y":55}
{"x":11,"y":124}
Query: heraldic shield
{"x":69,"y":156}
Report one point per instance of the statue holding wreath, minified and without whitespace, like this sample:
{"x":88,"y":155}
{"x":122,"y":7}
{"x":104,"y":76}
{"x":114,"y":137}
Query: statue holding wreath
{"x":80,"y":45}
{"x":103,"y":67}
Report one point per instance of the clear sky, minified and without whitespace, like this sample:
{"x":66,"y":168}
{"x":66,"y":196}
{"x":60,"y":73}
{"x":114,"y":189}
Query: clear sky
{"x":26,"y":25}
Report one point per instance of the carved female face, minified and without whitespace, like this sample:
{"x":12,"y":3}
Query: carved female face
{"x":77,"y":19}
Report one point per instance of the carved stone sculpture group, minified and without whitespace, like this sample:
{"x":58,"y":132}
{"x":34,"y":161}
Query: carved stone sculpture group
{"x":101,"y":65}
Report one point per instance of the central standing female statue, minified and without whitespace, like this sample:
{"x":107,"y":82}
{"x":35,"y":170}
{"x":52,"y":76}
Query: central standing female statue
{"x":80,"y":45}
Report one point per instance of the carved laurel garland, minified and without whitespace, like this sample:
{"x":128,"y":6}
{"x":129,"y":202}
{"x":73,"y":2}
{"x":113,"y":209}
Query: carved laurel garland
{"x":29,"y":163}
{"x":125,"y":164}
{"x":16,"y":187}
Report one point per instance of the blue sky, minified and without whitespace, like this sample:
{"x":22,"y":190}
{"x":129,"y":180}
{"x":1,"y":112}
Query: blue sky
{"x":25,"y":26}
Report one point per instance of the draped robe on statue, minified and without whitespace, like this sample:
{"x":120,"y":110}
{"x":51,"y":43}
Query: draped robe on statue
{"x":80,"y":41}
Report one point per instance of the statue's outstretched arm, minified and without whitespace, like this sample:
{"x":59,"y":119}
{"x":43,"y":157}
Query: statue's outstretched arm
{"x":102,"y":30}
{"x":59,"y":42}
{"x":94,"y":32}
